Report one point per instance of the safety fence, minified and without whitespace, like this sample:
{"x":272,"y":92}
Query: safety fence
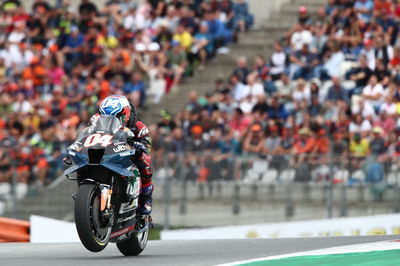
{"x":211,"y":188}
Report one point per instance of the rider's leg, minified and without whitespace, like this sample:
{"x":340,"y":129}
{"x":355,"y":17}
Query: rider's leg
{"x":146,"y":172}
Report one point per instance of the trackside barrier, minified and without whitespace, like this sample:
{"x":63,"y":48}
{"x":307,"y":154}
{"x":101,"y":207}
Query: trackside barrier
{"x":12,"y":230}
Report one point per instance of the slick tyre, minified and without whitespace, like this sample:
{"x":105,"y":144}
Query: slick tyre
{"x":92,"y":234}
{"x":134,"y":245}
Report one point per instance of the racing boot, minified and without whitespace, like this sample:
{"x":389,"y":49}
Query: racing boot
{"x":145,"y":200}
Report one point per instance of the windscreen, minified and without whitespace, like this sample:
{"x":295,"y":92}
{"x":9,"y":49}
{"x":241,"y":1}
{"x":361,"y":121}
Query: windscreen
{"x":106,"y":123}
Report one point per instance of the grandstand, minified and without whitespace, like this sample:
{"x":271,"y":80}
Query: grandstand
{"x":310,"y":95}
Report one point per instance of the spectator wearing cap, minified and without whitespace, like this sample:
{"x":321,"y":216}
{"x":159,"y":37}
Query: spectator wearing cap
{"x":253,"y":142}
{"x":369,"y":52}
{"x":305,"y":143}
{"x":196,"y":143}
{"x":156,"y":74}
{"x":166,"y":125}
{"x":387,"y":122}
{"x":303,"y":16}
{"x":163,"y":34}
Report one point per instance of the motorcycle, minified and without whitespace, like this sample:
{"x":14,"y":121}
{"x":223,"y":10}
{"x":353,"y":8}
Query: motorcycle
{"x":108,"y":189}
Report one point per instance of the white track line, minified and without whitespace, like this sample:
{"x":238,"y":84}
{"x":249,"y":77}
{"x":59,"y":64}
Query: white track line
{"x":366,"y":247}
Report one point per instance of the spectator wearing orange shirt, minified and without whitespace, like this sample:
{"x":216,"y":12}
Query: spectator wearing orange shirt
{"x":321,"y":148}
{"x":382,"y":6}
{"x":321,"y":143}
{"x":305,"y":143}
{"x":34,"y":72}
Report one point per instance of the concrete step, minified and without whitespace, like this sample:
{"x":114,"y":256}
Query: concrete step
{"x":251,"y":42}
{"x":309,"y":2}
{"x":290,"y":8}
{"x":281,"y":26}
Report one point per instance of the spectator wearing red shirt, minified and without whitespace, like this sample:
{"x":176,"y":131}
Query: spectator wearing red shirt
{"x":381,"y":6}
{"x":239,"y":123}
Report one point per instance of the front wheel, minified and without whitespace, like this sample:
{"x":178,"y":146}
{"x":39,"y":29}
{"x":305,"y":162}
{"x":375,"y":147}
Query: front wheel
{"x":134,"y":245}
{"x":93,"y":232}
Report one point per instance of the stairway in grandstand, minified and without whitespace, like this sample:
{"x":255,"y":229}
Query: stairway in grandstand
{"x":56,"y":202}
{"x":253,"y":43}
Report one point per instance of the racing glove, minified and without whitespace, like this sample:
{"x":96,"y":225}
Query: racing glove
{"x":139,"y":147}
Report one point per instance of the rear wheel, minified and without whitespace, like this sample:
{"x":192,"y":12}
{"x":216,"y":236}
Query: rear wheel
{"x":93,"y":232}
{"x":134,"y":245}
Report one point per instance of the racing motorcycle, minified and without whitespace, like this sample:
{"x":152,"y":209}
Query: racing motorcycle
{"x":108,"y":188}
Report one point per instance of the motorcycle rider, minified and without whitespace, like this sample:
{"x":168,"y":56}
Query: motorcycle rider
{"x":120,"y":107}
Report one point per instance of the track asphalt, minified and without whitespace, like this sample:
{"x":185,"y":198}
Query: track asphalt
{"x":195,"y":252}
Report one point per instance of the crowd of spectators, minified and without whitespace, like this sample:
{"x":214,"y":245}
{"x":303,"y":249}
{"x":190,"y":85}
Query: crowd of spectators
{"x":328,"y":96}
{"x":57,"y":63}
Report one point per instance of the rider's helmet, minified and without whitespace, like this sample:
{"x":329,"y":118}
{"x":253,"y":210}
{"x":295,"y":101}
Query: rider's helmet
{"x":118,"y":106}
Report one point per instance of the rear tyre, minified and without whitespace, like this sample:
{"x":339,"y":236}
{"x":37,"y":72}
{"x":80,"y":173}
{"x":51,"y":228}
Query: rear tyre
{"x":134,"y":245}
{"x":94,"y":233}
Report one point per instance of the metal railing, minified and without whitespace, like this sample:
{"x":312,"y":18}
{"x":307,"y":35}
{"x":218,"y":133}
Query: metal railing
{"x":337,"y":184}
{"x":210,"y":188}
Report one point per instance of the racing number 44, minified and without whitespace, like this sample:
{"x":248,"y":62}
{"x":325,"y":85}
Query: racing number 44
{"x":95,"y":139}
